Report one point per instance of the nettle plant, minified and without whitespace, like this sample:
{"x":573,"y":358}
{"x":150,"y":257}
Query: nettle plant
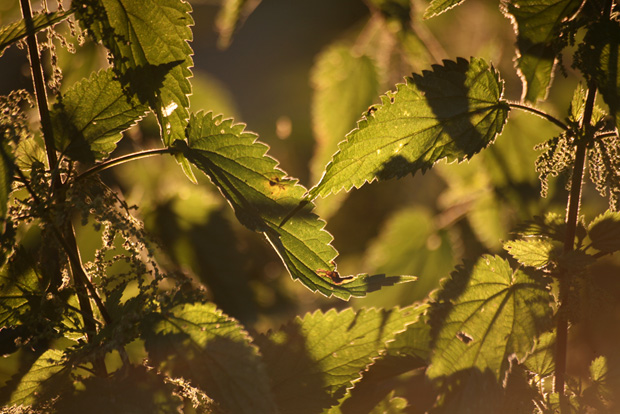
{"x":112,"y":326}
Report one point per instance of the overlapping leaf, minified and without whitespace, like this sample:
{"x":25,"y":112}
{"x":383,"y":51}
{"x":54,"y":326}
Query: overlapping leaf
{"x":314,"y":359}
{"x":262,"y":196}
{"x":538,"y":24}
{"x":452,"y":112}
{"x":212,"y":351}
{"x":604,"y":231}
{"x":149,"y":43}
{"x":48,"y":373}
{"x":498,"y":315}
{"x":531,"y":252}
{"x":16,"y":31}
{"x":92,"y":115}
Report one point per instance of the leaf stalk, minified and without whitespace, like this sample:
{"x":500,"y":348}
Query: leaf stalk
{"x":540,"y":113}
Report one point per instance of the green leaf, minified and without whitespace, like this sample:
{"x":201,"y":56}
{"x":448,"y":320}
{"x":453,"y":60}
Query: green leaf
{"x":313,"y":360}
{"x":390,"y":405}
{"x":542,"y":359}
{"x":46,"y":376}
{"x":149,"y":44}
{"x":497,"y":316}
{"x":262,"y":196}
{"x":531,"y":252}
{"x":440,"y":6}
{"x":16,"y":31}
{"x":345,"y":84}
{"x":6,"y":178}
{"x":213,"y":352}
{"x":92,"y":115}
{"x":604,"y":231}
{"x":538,"y":25}
{"x":452,"y":112}
{"x":232,"y":14}
{"x":597,"y":58}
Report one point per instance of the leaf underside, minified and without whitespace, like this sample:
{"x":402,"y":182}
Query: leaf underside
{"x":151,"y":54}
{"x":262,"y":195}
{"x":314,"y":359}
{"x":538,"y":24}
{"x":93,"y":114}
{"x":452,"y":112}
{"x":437,"y":7}
{"x":497,"y":317}
{"x":604,"y":231}
{"x":212,"y":351}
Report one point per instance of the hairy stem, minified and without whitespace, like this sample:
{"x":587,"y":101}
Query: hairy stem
{"x":36,"y":69}
{"x":125,"y":158}
{"x":539,"y":113}
{"x":572,"y":219}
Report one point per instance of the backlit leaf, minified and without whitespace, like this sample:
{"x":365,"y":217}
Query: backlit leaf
{"x":149,"y":44}
{"x":16,"y":31}
{"x":439,"y":6}
{"x":604,"y":231}
{"x":530,"y":252}
{"x":542,"y":359}
{"x":497,"y":316}
{"x":232,"y":14}
{"x":6,"y":177}
{"x":92,"y":115}
{"x":452,"y":112}
{"x":538,"y":24}
{"x":213,"y":352}
{"x":314,"y":359}
{"x":262,"y":195}
{"x":47,"y":373}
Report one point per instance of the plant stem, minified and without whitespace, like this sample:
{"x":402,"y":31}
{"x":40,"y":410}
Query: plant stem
{"x":572,"y":219}
{"x":539,"y":113}
{"x":36,"y":69}
{"x":125,"y":158}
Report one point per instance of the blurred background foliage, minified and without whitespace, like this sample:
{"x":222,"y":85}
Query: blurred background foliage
{"x":300,"y":74}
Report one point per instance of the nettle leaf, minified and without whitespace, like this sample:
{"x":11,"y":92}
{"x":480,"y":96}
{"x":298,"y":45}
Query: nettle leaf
{"x":89,"y":120}
{"x":232,"y":14}
{"x":344,"y":84}
{"x":149,"y":44}
{"x":598,"y":60}
{"x":538,"y":24}
{"x":47,"y":376}
{"x":213,"y":352}
{"x":6,"y":177}
{"x":313,"y":360}
{"x":451,"y":112}
{"x":17,"y":31}
{"x":604,"y":231}
{"x":262,"y":195}
{"x":542,"y":359}
{"x":531,"y":252}
{"x":438,"y":7}
{"x":497,"y":315}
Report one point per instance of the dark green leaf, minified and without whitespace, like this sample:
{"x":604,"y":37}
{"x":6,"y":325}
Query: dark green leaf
{"x":262,"y":196}
{"x":497,"y":316}
{"x":6,"y":178}
{"x":48,"y":373}
{"x":149,"y":44}
{"x":92,"y":115}
{"x":598,"y":60}
{"x":440,"y":6}
{"x":604,"y":231}
{"x":538,"y":24}
{"x":531,"y":252}
{"x":16,"y":31}
{"x":452,"y":112}
{"x":213,"y":352}
{"x":232,"y":14}
{"x":314,"y":359}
